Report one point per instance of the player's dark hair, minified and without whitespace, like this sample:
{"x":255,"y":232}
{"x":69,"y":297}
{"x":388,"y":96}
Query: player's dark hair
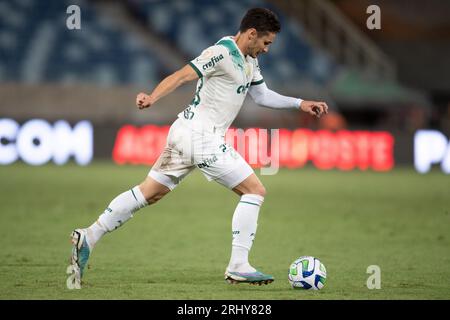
{"x":262,"y":19}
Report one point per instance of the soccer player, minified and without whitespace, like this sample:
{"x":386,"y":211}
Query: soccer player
{"x":225,"y":72}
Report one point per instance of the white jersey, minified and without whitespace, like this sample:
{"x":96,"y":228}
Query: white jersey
{"x":225,"y":76}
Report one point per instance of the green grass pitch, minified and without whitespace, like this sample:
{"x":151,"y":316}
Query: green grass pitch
{"x":179,"y":248}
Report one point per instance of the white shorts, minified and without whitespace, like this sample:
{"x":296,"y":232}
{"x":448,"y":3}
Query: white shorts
{"x":187,"y":149}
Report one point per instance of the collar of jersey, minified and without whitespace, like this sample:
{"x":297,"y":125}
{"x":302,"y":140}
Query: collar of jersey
{"x":235,"y":53}
{"x":230,"y":38}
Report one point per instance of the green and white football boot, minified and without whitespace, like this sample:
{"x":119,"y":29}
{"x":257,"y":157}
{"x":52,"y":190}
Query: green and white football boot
{"x":78,"y":259}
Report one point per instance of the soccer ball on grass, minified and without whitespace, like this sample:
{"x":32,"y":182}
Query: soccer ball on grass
{"x":307,"y":273}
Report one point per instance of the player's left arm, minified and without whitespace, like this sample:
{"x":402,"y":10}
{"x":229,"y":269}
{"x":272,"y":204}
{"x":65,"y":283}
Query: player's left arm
{"x":265,"y":97}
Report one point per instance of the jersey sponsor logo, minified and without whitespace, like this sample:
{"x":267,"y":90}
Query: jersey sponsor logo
{"x":188,"y":114}
{"x":214,"y":60}
{"x":196,"y":100}
{"x":243,"y":89}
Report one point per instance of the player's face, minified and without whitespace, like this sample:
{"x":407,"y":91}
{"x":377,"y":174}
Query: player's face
{"x":260,"y":44}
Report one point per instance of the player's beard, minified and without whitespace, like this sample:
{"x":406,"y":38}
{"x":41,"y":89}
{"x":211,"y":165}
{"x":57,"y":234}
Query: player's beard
{"x":255,"y":54}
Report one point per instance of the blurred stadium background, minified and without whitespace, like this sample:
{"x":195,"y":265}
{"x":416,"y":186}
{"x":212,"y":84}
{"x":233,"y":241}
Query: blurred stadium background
{"x":69,"y":94}
{"x":394,"y":80}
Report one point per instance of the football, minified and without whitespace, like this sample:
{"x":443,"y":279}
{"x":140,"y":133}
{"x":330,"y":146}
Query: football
{"x":307,"y":273}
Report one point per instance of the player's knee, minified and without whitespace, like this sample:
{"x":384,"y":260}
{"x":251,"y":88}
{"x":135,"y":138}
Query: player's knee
{"x":254,"y":188}
{"x":262,"y":191}
{"x":152,"y":191}
{"x":156,"y":197}
{"x":153,"y":196}
{"x":259,"y":190}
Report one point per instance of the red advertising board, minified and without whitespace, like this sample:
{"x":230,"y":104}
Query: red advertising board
{"x":343,"y":150}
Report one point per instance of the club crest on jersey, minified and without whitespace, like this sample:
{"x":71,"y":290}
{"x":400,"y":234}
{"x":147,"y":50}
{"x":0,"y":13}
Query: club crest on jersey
{"x":214,"y":60}
{"x":247,"y":70}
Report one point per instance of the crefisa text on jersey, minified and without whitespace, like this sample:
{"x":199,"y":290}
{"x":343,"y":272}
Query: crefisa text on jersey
{"x":212,"y":62}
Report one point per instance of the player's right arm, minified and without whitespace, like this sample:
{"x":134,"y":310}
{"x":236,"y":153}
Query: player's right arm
{"x":169,"y":84}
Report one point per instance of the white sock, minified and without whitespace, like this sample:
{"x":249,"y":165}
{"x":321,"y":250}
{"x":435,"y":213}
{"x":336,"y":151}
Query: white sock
{"x":244,"y":224}
{"x":119,"y":211}
{"x":94,"y":233}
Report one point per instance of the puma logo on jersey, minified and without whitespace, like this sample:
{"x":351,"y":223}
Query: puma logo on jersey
{"x":214,"y":60}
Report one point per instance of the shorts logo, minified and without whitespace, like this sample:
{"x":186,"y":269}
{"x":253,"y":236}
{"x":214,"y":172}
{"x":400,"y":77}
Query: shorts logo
{"x":207,"y":163}
{"x":223,"y":147}
{"x":214,"y":60}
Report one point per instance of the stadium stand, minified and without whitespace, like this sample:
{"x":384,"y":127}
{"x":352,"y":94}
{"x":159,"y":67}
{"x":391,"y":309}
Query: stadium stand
{"x":193,"y":25}
{"x":126,"y":55}
{"x":36,"y":46}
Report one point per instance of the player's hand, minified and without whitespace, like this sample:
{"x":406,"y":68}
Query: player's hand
{"x":143,"y":100}
{"x":314,"y":108}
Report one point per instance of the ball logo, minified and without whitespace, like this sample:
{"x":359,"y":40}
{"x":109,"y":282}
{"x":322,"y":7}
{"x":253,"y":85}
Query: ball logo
{"x":37,"y":142}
